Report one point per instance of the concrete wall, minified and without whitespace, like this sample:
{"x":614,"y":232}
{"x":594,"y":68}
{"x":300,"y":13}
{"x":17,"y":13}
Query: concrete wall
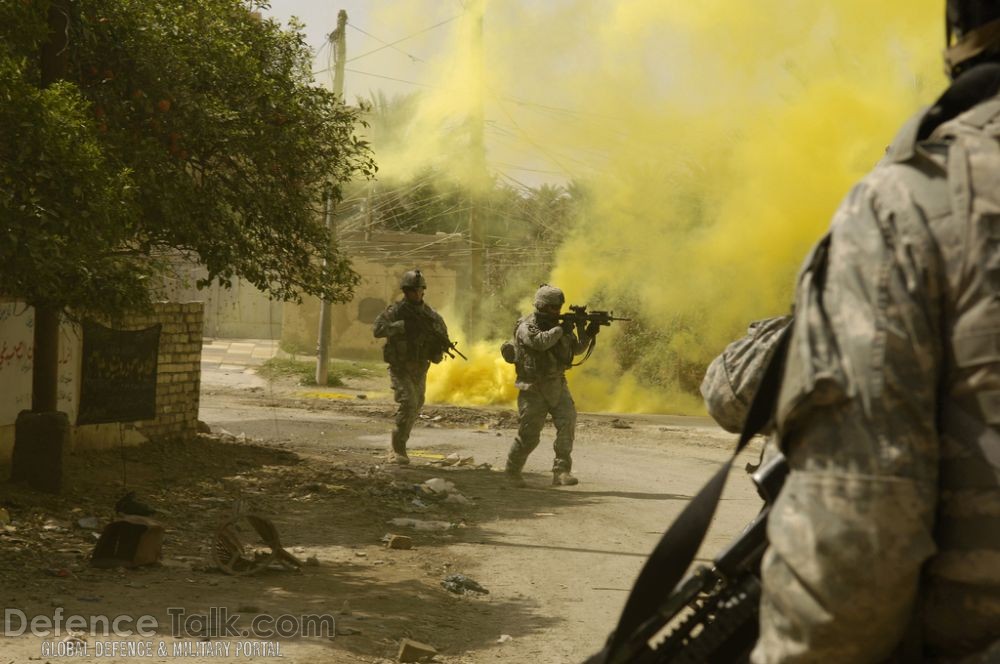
{"x":380,"y":260}
{"x":240,"y":312}
{"x":178,"y":376}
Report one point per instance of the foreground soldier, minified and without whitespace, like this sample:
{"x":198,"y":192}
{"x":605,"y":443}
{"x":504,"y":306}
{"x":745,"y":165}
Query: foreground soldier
{"x":544,"y":351}
{"x":415,"y":336}
{"x":885,"y":541}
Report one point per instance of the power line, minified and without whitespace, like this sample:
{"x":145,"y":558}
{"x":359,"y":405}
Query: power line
{"x":388,"y":78}
{"x":387,"y":44}
{"x":391,"y":44}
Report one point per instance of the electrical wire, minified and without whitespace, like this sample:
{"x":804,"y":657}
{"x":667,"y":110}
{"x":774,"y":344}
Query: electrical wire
{"x":387,"y":44}
{"x":410,"y":36}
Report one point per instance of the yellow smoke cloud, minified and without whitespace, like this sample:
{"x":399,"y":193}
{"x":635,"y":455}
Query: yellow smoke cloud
{"x":718,"y":138}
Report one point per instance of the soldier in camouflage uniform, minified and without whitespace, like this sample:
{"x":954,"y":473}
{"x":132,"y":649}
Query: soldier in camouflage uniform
{"x":415,"y":336}
{"x":544,"y":350}
{"x":885,"y":541}
{"x":733,"y":377}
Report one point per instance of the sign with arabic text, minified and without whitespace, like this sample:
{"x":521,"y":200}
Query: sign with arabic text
{"x":118,"y":374}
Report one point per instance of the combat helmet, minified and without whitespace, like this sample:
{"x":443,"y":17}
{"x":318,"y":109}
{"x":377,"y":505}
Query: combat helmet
{"x":972,"y":31}
{"x":412,"y":280}
{"x":548,"y":296}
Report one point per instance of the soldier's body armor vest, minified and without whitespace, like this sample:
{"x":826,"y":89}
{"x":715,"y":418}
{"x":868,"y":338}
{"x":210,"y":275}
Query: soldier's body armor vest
{"x":533,"y":366}
{"x":417,"y":347}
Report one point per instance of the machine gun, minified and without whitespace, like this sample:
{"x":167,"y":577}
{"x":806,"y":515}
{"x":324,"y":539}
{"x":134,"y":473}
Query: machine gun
{"x":712,"y":614}
{"x":579,"y":315}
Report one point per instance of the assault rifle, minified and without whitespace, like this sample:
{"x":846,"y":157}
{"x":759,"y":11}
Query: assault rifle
{"x":418,"y":322}
{"x":579,"y":315}
{"x":712,"y":614}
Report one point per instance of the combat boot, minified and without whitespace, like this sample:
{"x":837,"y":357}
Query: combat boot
{"x":563,"y":478}
{"x":514,"y":479}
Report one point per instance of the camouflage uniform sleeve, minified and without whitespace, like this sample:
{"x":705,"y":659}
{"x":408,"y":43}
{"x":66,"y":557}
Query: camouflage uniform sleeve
{"x":536,"y":339}
{"x":856,"y":414}
{"x":386,"y":324}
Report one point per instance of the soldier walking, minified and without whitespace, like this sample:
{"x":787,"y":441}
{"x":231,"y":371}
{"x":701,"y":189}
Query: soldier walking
{"x":416,"y":336}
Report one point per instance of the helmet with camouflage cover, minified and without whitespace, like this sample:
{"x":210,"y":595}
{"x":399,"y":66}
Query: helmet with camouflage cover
{"x":548,"y":296}
{"x":972,"y":33}
{"x":412,"y":280}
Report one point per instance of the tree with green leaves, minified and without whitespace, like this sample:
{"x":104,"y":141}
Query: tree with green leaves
{"x":130,"y":130}
{"x":177,"y":126}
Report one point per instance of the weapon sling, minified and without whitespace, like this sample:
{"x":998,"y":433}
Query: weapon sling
{"x":677,"y":548}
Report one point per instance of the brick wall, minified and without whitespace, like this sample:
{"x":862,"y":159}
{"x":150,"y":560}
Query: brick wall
{"x":178,"y":377}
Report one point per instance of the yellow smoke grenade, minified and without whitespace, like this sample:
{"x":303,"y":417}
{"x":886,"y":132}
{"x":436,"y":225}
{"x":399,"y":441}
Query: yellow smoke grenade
{"x":717,"y":137}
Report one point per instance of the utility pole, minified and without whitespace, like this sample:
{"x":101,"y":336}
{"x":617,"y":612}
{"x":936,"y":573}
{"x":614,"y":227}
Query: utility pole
{"x":41,"y":434}
{"x":479,"y":179}
{"x":338,"y":40}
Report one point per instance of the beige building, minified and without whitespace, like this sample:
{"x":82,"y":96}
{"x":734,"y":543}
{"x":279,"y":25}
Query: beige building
{"x":380,"y":260}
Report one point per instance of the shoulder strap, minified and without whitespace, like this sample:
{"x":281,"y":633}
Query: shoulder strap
{"x":677,"y":548}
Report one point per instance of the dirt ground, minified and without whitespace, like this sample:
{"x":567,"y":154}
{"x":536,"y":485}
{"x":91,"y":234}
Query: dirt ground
{"x":557,"y":562}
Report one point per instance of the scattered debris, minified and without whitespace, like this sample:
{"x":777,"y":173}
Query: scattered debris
{"x":504,"y":638}
{"x":419,"y":524}
{"x":89,"y":523}
{"x":436,"y":485}
{"x":619,"y":423}
{"x":461,"y":585}
{"x":414,"y":651}
{"x":131,"y":541}
{"x":455,"y":459}
{"x":360,"y":554}
{"x":361,"y":396}
{"x":398,"y":542}
{"x":128,"y":504}
{"x":232,"y":556}
{"x":458,"y":498}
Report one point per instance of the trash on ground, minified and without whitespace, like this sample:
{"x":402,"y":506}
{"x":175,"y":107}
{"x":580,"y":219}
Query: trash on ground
{"x":504,"y":638}
{"x":414,"y":651}
{"x":398,"y":542}
{"x":458,"y":499}
{"x":419,"y":524}
{"x":461,"y":585}
{"x":436,"y":485}
{"x":233,"y":556}
{"x":128,"y":504}
{"x":89,"y":523}
{"x":619,"y":423}
{"x":131,"y":541}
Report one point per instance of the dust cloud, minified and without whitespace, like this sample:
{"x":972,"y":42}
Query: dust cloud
{"x":716,"y":138}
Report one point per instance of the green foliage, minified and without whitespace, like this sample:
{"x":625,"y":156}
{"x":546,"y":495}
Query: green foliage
{"x":66,"y":215}
{"x":181,"y":126}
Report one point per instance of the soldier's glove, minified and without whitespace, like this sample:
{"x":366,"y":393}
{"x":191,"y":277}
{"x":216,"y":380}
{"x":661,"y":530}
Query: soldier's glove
{"x":567,"y":326}
{"x":593,"y":327}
